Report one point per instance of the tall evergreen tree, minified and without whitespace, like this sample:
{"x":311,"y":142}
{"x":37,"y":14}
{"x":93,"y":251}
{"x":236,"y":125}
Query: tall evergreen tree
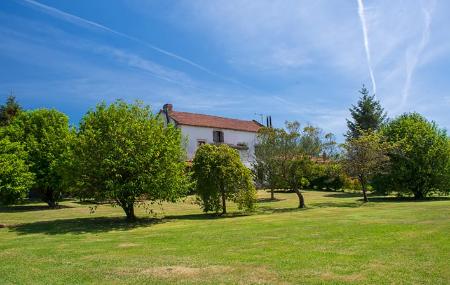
{"x":9,"y":110}
{"x":366,"y":115}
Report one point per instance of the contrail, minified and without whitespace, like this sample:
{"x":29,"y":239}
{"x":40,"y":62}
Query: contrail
{"x":362,"y":17}
{"x":411,"y":65}
{"x":87,"y":23}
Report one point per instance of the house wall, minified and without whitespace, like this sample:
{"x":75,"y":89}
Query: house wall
{"x":194,"y":134}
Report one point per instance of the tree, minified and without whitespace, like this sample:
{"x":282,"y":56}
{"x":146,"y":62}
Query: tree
{"x":421,"y":166}
{"x":219,"y":176}
{"x":9,"y":110}
{"x":297,"y":176}
{"x":124,"y":154}
{"x":364,"y":157}
{"x":366,"y":115}
{"x":15,"y":176}
{"x":267,"y":158}
{"x":44,"y":134}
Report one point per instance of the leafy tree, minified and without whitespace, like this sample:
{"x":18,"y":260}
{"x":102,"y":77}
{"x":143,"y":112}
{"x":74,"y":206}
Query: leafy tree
{"x":15,"y":176}
{"x":364,"y":157}
{"x":9,"y":110}
{"x":267,"y":158}
{"x":366,"y":115}
{"x":45,"y":134}
{"x":220,"y":176}
{"x":421,"y":166}
{"x":124,"y":154}
{"x":299,"y":170}
{"x":311,"y":141}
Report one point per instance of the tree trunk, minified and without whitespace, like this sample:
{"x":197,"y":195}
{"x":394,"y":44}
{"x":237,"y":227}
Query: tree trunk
{"x":49,"y":198}
{"x":272,"y":193}
{"x":128,"y":208}
{"x":224,"y":203}
{"x":301,"y":199}
{"x":364,"y":192}
{"x":418,"y":194}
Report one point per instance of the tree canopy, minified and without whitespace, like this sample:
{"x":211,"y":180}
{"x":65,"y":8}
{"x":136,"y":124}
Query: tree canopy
{"x":45,"y":134}
{"x":125,"y":154}
{"x":15,"y":176}
{"x":364,"y":157}
{"x":366,"y":115}
{"x":219,"y":176}
{"x":421,"y":166}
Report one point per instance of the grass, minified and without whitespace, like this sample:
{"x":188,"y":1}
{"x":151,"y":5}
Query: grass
{"x":336,"y":240}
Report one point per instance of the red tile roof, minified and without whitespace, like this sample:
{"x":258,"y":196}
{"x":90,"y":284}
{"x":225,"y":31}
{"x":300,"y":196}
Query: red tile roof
{"x":200,"y":120}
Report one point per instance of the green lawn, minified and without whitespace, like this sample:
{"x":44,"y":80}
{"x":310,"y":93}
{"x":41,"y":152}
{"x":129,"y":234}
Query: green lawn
{"x":336,"y":240}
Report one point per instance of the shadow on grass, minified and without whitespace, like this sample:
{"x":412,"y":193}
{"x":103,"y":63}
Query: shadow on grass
{"x":29,"y":208}
{"x":407,"y":199}
{"x":205,"y":216}
{"x":83,"y":225}
{"x":374,"y":197}
{"x":337,"y":204}
{"x":268,"y":200}
{"x":269,"y":210}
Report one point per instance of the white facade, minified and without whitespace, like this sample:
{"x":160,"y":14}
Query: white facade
{"x":243,"y":141}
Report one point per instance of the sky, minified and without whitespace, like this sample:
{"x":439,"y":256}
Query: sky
{"x":293,"y":60}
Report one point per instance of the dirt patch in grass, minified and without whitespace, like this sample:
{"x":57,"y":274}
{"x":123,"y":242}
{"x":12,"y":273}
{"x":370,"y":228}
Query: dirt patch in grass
{"x":219,"y":273}
{"x":330,"y":276}
{"x":127,"y":245}
{"x":184,"y":271}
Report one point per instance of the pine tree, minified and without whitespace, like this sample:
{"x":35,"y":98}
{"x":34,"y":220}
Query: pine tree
{"x":366,"y":115}
{"x":9,"y":110}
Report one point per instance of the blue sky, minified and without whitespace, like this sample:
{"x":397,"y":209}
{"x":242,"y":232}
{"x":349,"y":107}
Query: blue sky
{"x":294,"y":60}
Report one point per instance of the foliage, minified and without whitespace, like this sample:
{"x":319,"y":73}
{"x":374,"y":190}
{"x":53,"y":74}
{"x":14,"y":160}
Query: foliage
{"x":328,"y":176}
{"x":365,"y":156}
{"x":421,"y":166}
{"x":267,"y":162}
{"x":45,"y":134}
{"x":286,"y":158}
{"x":15,"y":176}
{"x":220,"y":176}
{"x":124,"y":154}
{"x":9,"y":110}
{"x":366,"y":115}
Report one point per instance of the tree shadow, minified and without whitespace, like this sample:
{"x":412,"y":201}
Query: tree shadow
{"x":269,"y":210}
{"x":268,"y":200}
{"x":207,"y":216}
{"x":83,"y":225}
{"x":29,"y":208}
{"x":407,"y":199}
{"x":343,"y":195}
{"x":337,"y":204}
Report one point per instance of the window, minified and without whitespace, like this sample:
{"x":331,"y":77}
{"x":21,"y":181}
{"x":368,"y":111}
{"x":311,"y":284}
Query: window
{"x":218,"y":136}
{"x":201,"y":142}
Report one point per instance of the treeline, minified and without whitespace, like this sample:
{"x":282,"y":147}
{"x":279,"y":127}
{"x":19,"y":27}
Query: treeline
{"x":125,"y":155}
{"x":405,"y":156}
{"x":120,"y":153}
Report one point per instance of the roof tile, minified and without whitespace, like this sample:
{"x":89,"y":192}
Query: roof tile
{"x":200,"y":120}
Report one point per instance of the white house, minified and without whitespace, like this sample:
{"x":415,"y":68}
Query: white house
{"x":199,"y":129}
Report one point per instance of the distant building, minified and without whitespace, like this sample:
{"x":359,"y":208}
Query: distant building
{"x":201,"y":129}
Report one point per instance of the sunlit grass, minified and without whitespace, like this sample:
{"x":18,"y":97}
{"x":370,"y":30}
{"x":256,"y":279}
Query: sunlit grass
{"x":337,"y":239}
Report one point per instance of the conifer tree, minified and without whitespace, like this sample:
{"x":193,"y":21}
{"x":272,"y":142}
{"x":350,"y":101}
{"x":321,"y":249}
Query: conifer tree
{"x":366,"y":115}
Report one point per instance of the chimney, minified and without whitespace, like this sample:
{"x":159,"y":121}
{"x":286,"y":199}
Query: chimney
{"x":167,"y":108}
